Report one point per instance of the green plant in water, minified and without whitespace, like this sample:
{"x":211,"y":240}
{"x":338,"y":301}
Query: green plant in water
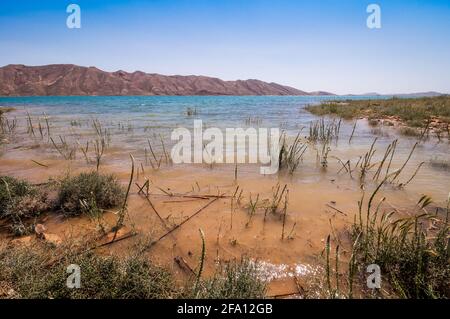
{"x":104,"y":189}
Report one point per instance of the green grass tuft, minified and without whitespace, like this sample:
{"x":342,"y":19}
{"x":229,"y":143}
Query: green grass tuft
{"x":20,"y":201}
{"x":103,"y":190}
{"x":28,"y":272}
{"x":235,"y":280}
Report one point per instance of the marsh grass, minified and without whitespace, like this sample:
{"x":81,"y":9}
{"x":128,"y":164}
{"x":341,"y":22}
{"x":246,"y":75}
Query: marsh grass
{"x":366,"y":163}
{"x":278,"y":194}
{"x":75,"y":192}
{"x":40,"y":272}
{"x":291,"y":156}
{"x":412,"y":251}
{"x":324,"y":132}
{"x":253,"y":205}
{"x":322,"y":157}
{"x":415,"y":112}
{"x":124,"y":209}
{"x":232,"y":280}
{"x":7,"y":127}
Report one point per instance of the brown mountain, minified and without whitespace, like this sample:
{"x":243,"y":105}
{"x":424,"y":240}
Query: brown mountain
{"x":68,"y":79}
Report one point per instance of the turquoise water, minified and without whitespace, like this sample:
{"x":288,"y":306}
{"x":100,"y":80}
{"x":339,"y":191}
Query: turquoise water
{"x":168,"y":111}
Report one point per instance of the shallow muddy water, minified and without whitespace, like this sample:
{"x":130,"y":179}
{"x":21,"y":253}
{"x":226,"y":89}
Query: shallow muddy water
{"x":321,"y":201}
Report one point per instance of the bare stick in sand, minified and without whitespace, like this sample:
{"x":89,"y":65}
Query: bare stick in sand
{"x":179,"y":225}
{"x":40,"y":164}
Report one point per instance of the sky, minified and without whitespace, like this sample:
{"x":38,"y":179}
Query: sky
{"x":310,"y":45}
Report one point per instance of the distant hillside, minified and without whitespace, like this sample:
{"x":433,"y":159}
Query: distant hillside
{"x":321,"y":93}
{"x":68,"y":79}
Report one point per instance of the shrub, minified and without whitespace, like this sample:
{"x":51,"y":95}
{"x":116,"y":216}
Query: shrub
{"x":103,"y":190}
{"x":236,"y":280}
{"x":28,"y":272}
{"x":20,"y":201}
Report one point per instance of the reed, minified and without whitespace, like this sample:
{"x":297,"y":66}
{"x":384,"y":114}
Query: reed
{"x":202,"y":261}
{"x":154,"y":156}
{"x":353,"y":132}
{"x":85,"y":151}
{"x":323,"y":156}
{"x":366,"y":162}
{"x":277,"y":197}
{"x":68,"y":153}
{"x":7,"y":126}
{"x":414,"y":112}
{"x":412,"y":255}
{"x":325,"y":132}
{"x":328,"y":267}
{"x":389,"y":149}
{"x":30,"y":129}
{"x":397,"y":174}
{"x":123,"y":210}
{"x":99,"y":149}
{"x":167,"y":157}
{"x":291,"y":156}
{"x":47,"y":124}
{"x":284,"y":213}
{"x":252,"y":209}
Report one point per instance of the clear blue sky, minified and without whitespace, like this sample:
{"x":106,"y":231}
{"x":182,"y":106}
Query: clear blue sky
{"x":311,"y":45}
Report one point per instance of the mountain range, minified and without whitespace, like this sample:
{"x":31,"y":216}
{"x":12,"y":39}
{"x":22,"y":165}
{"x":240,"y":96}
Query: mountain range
{"x":69,"y":79}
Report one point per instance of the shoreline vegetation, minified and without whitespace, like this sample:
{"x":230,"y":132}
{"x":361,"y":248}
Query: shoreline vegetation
{"x":411,"y":246}
{"x":413,"y":115}
{"x":412,"y":252}
{"x":5,"y":110}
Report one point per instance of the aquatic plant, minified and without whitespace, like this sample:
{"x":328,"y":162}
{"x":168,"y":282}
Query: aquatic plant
{"x":440,"y":164}
{"x":291,"y":156}
{"x":415,"y":112}
{"x":233,"y":280}
{"x":325,"y":132}
{"x":122,"y":212}
{"x":64,"y":149}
